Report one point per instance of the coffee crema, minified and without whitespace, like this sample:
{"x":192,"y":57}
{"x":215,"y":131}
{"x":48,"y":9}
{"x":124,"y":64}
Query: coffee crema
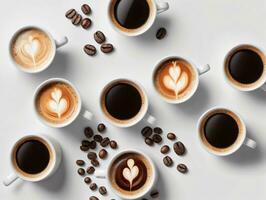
{"x":174,"y":79}
{"x":57,"y":102}
{"x":32,"y":48}
{"x":131,"y":174}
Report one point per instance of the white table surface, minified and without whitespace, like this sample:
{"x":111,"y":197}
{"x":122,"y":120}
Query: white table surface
{"x":201,"y":30}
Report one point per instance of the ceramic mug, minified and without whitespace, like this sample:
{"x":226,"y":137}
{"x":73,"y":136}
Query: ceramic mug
{"x":54,"y":162}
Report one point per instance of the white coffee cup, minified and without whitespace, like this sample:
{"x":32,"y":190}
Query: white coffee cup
{"x":242,"y":135}
{"x":198,"y":70}
{"x":143,"y":113}
{"x":55,"y":160}
{"x":85,"y":113}
{"x":259,"y":84}
{"x":55,"y":45}
{"x":104,"y":174}
{"x":156,"y":8}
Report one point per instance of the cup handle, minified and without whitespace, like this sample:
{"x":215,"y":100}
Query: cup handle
{"x":87,"y":115}
{"x":161,"y":7}
{"x":150,"y":119}
{"x":10,"y":179}
{"x":61,"y":42}
{"x":204,"y":69}
{"x":100,"y":174}
{"x":263,"y":87}
{"x":250,"y":143}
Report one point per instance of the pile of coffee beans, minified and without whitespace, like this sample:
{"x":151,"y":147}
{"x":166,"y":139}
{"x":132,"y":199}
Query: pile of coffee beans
{"x":89,"y":145}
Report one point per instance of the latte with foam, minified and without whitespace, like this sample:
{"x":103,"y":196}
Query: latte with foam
{"x":57,"y":102}
{"x":32,"y":49}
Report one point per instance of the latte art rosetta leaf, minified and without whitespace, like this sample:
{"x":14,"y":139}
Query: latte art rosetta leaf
{"x":131,"y":172}
{"x":57,"y":104}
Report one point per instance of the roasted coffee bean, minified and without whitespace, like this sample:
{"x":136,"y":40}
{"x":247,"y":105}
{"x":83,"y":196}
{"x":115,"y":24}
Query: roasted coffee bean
{"x":93,"y":198}
{"x":154,"y":194}
{"x":92,"y":144}
{"x":156,"y":138}
{"x":86,"y":23}
{"x":161,"y":33}
{"x":105,"y":142}
{"x":102,"y":190}
{"x":90,"y":49}
{"x":98,"y":138}
{"x":92,"y":155}
{"x":171,"y":136}
{"x":146,"y":131}
{"x":95,"y":163}
{"x":86,"y":9}
{"x":93,"y":186}
{"x":149,"y":141}
{"x":107,"y":48}
{"x":88,"y":132}
{"x":179,"y":148}
{"x":101,"y":127}
{"x":87,"y":180}
{"x":168,"y":161}
{"x":165,"y":149}
{"x":85,"y":143}
{"x":103,"y":153}
{"x":90,"y":170}
{"x":158,"y":130}
{"x":99,"y":37}
{"x":84,"y":148}
{"x":70,"y":13}
{"x":76,"y":19}
{"x":113,"y":144}
{"x":80,"y":162}
{"x":182,"y":168}
{"x":81,"y":171}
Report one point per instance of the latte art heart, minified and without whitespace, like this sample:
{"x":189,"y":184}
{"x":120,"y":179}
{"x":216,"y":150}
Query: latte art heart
{"x":131,"y":172}
{"x":31,"y":48}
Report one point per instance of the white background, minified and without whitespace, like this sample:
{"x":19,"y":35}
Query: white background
{"x":201,"y":30}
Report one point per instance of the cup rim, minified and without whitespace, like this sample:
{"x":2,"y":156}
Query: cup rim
{"x":140,"y":116}
{"x":244,"y":89}
{"x":73,"y":118}
{"x":191,"y":94}
{"x":236,"y":146}
{"x":52,"y":55}
{"x":154,"y":169}
{"x":51,"y":168}
{"x":141,"y":30}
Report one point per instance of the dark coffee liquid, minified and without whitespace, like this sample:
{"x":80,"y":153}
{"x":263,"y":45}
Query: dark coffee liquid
{"x":221,"y":130}
{"x":131,"y":14}
{"x":32,"y":157}
{"x":246,"y":66}
{"x":123,"y":101}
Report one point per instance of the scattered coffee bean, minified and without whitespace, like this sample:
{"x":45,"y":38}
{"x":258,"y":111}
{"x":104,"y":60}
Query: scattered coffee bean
{"x":86,"y":9}
{"x":99,"y":37}
{"x":84,"y":148}
{"x":95,"y":163}
{"x":171,"y":136}
{"x":101,"y":127}
{"x":179,"y":148}
{"x":86,"y":23}
{"x":85,"y":143}
{"x":76,"y":19}
{"x":92,"y":155}
{"x":102,"y":190}
{"x":103,"y":153}
{"x":154,"y":194}
{"x":165,"y":149}
{"x":70,"y":13}
{"x":90,"y":49}
{"x":93,"y":186}
{"x":146,"y":131}
{"x":168,"y":161}
{"x":87,"y":180}
{"x":98,"y":138}
{"x":80,"y":162}
{"x":182,"y":168}
{"x":105,"y":142}
{"x":156,"y":138}
{"x":161,"y":33}
{"x":93,"y":198}
{"x":90,"y":170}
{"x":92,"y":144}
{"x":107,"y":48}
{"x":149,"y":141}
{"x":113,"y":144}
{"x":158,"y":130}
{"x":81,"y":171}
{"x":88,"y":132}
